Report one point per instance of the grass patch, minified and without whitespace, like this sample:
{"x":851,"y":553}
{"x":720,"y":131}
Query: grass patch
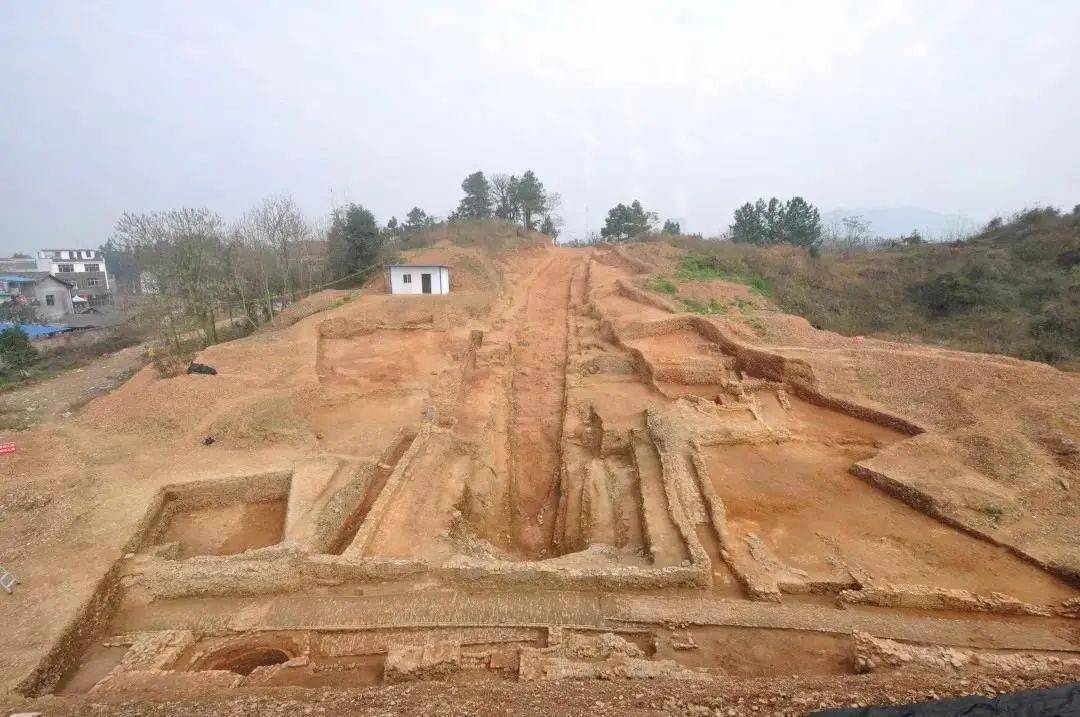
{"x":340,"y":301}
{"x":699,"y":267}
{"x":660,"y":285}
{"x":699,"y":307}
{"x":702,"y":267}
{"x":757,"y":325}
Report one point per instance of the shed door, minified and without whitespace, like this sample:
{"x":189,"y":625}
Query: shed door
{"x":425,"y":283}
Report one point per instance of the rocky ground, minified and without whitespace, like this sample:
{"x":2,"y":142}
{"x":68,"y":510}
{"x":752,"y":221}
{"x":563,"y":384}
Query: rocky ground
{"x":719,"y":698}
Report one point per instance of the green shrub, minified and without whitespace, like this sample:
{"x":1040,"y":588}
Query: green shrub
{"x":16,"y":351}
{"x":951,"y":292}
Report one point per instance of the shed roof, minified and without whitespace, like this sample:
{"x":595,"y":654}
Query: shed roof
{"x":35,"y":330}
{"x":30,"y":277}
{"x":417,"y":266}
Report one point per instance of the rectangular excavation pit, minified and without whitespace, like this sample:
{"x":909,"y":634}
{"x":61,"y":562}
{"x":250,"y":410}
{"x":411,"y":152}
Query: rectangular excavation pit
{"x":794,"y":507}
{"x":219,"y":517}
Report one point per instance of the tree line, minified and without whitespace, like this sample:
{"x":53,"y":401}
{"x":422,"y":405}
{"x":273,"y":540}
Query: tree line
{"x":196,"y":268}
{"x":795,"y":221}
{"x":523,"y":200}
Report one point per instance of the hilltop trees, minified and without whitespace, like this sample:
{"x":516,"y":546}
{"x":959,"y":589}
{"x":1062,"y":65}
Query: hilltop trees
{"x":476,"y":204}
{"x":532,"y":199}
{"x":774,"y":222}
{"x":354,"y":241}
{"x":416,"y":220}
{"x":516,"y":199}
{"x":504,"y":189}
{"x":671,"y":227}
{"x":749,"y":227}
{"x":800,"y":223}
{"x":626,"y":222}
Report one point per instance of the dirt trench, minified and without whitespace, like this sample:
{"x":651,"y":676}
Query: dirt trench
{"x":538,"y":389}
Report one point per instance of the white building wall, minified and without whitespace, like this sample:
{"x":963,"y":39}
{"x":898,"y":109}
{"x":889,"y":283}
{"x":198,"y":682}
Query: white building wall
{"x":50,"y":260}
{"x":408,"y":279}
{"x":61,"y":299}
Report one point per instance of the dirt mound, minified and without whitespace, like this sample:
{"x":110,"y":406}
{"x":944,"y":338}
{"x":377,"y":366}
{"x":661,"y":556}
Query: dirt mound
{"x":308,"y":305}
{"x":476,"y":252}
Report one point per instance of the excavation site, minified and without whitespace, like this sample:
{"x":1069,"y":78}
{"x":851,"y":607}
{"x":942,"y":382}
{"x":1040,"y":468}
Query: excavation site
{"x":551,"y":479}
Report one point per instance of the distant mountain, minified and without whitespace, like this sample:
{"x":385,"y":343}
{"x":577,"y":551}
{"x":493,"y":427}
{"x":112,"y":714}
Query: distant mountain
{"x":899,"y":221}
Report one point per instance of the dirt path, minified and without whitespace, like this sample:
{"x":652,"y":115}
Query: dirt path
{"x":26,"y":406}
{"x":42,"y":401}
{"x":538,"y":388}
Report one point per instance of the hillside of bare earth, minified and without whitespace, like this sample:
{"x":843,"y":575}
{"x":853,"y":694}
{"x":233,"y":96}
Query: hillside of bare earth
{"x":560,"y":487}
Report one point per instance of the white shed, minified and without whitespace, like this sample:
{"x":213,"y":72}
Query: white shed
{"x":419,"y":279}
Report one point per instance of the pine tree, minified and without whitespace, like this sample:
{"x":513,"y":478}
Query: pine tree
{"x":626,"y":222}
{"x":748,"y":227}
{"x":476,"y":204}
{"x":416,"y":220}
{"x":801,"y":223}
{"x":774,"y":222}
{"x":531,"y":198}
{"x":354,"y":240}
{"x":548,"y":227}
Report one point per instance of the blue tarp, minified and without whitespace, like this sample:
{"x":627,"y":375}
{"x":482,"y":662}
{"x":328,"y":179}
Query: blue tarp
{"x":37,"y":330}
{"x":1055,"y":701}
{"x":17,"y":279}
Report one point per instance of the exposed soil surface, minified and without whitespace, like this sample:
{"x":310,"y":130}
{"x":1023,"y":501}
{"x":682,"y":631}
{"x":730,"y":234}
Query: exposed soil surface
{"x":47,"y":400}
{"x":538,"y":385}
{"x":549,"y":491}
{"x":226,"y":529}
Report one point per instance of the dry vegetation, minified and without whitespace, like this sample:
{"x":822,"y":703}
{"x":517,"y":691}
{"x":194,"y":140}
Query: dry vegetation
{"x":1012,"y":289}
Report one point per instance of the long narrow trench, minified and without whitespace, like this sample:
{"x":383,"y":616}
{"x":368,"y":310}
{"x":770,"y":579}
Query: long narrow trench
{"x":538,"y":382}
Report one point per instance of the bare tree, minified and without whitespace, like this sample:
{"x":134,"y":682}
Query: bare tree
{"x":278,"y":223}
{"x":182,"y":250}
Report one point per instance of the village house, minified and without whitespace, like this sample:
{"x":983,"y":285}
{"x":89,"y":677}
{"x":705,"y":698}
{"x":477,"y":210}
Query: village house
{"x":50,"y":296}
{"x":83,"y":268}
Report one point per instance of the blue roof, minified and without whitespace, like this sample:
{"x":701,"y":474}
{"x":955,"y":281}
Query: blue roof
{"x":13,"y":278}
{"x":34,"y":330}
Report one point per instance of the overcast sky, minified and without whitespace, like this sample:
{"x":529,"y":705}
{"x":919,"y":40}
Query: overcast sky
{"x":694,"y":108}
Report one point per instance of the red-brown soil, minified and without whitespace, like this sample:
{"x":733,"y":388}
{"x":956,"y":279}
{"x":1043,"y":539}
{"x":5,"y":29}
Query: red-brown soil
{"x":549,"y":476}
